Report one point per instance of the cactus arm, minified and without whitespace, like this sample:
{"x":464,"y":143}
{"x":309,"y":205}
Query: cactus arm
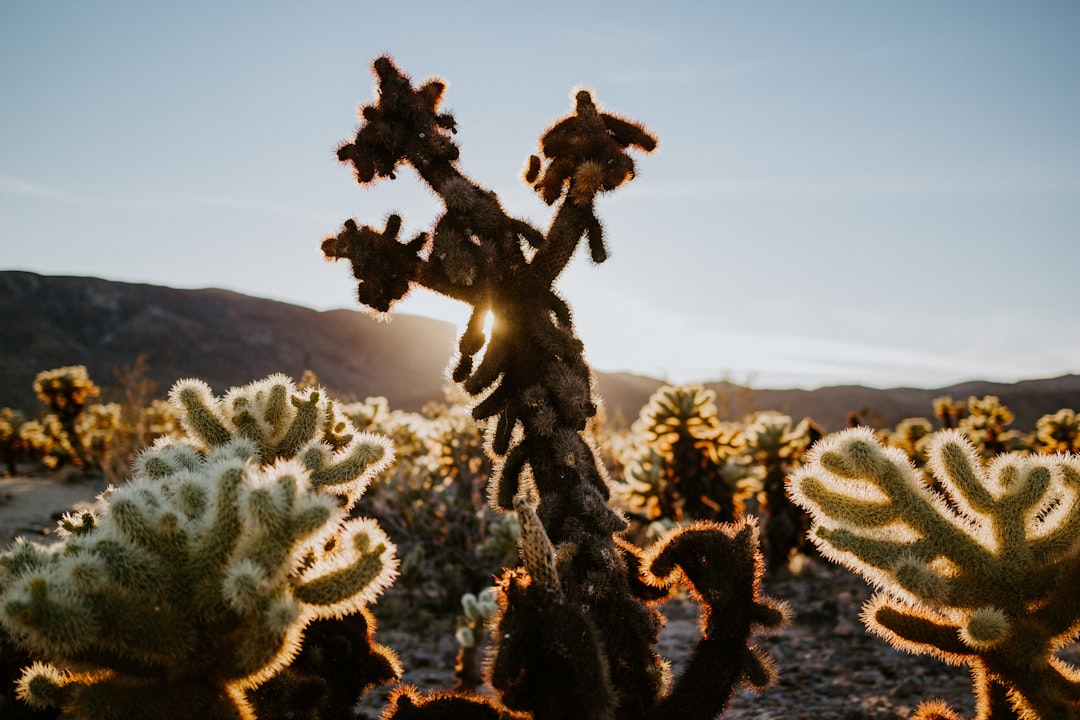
{"x":356,"y":575}
{"x":348,"y":471}
{"x":721,"y":566}
{"x":849,"y":510}
{"x":919,"y":633}
{"x":201,"y":418}
{"x":305,"y":424}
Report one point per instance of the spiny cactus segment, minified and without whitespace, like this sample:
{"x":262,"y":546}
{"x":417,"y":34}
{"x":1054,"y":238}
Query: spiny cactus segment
{"x":281,"y":422}
{"x":984,"y":573}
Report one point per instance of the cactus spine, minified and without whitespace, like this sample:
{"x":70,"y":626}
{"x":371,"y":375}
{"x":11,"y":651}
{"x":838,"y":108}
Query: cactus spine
{"x":984,"y":573}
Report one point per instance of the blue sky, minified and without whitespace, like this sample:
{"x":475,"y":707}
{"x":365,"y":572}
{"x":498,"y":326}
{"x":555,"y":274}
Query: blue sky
{"x":845,"y":192}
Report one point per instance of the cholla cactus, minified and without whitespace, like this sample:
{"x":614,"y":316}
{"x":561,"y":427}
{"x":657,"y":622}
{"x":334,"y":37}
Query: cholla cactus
{"x":678,"y":471}
{"x":912,"y":435}
{"x":949,"y":412}
{"x":986,"y":426}
{"x":471,"y":634}
{"x":96,"y":429}
{"x":49,"y":442}
{"x":771,"y":441}
{"x":582,"y":650}
{"x":987,"y":577}
{"x":12,"y":444}
{"x":1059,"y":432}
{"x":66,"y":391}
{"x":281,"y":422}
{"x":193,"y":582}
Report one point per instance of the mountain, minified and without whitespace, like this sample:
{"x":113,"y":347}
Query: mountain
{"x":223,"y":337}
{"x":230,"y":339}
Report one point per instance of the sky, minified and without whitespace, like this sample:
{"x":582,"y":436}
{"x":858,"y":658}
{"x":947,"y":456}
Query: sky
{"x":876,"y":193}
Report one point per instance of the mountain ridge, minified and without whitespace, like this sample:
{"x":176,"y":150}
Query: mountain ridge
{"x":227,"y":338}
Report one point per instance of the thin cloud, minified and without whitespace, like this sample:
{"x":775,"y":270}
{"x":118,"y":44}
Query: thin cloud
{"x":39,"y":191}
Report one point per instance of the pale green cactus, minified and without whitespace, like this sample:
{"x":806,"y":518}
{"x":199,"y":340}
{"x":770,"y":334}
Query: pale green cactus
{"x":472,"y":631}
{"x":193,"y":582}
{"x":983,"y":573}
{"x":283,"y":422}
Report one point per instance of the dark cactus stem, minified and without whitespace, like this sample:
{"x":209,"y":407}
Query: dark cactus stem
{"x":574,"y":635}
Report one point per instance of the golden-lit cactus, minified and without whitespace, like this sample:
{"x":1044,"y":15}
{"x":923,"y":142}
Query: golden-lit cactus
{"x":676,"y":469}
{"x":770,"y":440}
{"x":986,"y":426}
{"x":1059,"y":432}
{"x":911,"y":435}
{"x":13,"y":445}
{"x":986,"y":575}
{"x":65,"y":392}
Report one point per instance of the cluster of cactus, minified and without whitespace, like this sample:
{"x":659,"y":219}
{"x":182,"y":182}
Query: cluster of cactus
{"x":686,"y":464}
{"x":65,"y":392}
{"x":576,"y":624}
{"x":97,"y":437}
{"x":189,"y":586}
{"x":985,"y":422}
{"x":433,"y":503}
{"x":983,"y":572}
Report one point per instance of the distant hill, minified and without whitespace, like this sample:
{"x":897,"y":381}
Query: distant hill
{"x":230,"y":339}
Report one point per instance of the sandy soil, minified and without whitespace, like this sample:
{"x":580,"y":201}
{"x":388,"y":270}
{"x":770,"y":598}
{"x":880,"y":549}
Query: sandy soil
{"x":29,"y":505}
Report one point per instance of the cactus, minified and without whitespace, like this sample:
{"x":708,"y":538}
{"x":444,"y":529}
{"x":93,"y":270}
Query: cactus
{"x":986,"y":426}
{"x":678,"y":471}
{"x":985,"y":576}
{"x":1059,"y":432}
{"x":13,"y":445}
{"x":471,"y":634}
{"x":911,"y":435}
{"x":66,"y":391}
{"x":192,"y":583}
{"x":574,"y":633}
{"x":776,"y":447}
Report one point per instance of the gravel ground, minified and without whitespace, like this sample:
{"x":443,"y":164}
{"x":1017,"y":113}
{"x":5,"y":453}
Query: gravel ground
{"x":830,"y":667}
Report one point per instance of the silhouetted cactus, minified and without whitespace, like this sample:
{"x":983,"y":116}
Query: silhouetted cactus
{"x":193,"y":582}
{"x":573,"y":639}
{"x":987,"y":578}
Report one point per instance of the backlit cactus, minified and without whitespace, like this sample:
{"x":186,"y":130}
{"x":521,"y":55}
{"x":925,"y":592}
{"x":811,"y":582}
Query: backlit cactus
{"x":1059,"y":432}
{"x":776,"y":446}
{"x":66,"y":391}
{"x":678,"y":471}
{"x":984,"y":573}
{"x":192,"y":583}
{"x":574,"y":634}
